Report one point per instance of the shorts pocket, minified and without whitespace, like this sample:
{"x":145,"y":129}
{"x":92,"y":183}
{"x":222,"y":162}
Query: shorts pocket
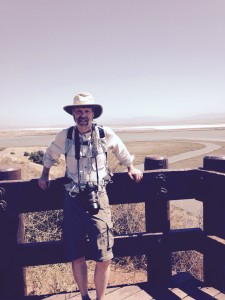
{"x":105,"y":240}
{"x":110,"y":238}
{"x":103,"y":200}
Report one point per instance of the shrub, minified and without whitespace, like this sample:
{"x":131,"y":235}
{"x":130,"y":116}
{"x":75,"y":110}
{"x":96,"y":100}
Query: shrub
{"x":37,"y":157}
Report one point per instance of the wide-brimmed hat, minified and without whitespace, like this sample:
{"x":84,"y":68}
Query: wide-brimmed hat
{"x":82,"y":100}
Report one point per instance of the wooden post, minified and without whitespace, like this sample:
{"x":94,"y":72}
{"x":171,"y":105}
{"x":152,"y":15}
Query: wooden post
{"x":214,"y":222}
{"x":214,"y":204}
{"x":155,"y":162}
{"x":214,"y":163}
{"x":157,"y":214}
{"x":12,"y":281}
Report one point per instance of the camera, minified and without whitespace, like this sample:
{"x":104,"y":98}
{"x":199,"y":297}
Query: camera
{"x":91,"y":192}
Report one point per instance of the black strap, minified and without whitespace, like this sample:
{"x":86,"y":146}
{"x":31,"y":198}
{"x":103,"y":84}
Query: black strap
{"x":77,"y":144}
{"x":70,"y":133}
{"x":101,"y":132}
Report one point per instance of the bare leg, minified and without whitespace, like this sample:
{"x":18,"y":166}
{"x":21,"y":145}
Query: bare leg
{"x":79,"y":267}
{"x":102,"y":271}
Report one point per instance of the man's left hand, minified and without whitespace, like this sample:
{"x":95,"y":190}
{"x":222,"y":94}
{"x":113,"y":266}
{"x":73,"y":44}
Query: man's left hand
{"x":135,"y":174}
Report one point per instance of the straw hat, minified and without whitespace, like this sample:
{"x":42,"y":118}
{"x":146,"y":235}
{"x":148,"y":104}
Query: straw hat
{"x":82,"y":100}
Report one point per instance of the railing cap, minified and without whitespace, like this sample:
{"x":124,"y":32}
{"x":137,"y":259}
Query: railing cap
{"x":154,"y":162}
{"x":10,"y":172}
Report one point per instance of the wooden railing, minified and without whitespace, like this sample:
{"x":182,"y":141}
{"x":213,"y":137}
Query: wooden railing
{"x":156,"y":189}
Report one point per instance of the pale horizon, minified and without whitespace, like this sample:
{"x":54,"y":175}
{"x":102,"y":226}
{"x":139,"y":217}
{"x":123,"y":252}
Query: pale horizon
{"x":198,"y":121}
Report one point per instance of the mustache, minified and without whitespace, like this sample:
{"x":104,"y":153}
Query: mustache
{"x":82,"y":119}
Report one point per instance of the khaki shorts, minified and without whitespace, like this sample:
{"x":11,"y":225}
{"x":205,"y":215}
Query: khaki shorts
{"x":79,"y":225}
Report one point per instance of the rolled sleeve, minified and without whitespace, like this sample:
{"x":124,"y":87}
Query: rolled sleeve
{"x":55,"y":149}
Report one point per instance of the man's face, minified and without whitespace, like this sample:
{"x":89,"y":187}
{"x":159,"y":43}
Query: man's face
{"x":83,"y":117}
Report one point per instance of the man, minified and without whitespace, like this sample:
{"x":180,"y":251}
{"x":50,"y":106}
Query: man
{"x":86,"y":206}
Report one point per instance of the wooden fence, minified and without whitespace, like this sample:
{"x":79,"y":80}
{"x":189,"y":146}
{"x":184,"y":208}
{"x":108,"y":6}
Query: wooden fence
{"x":156,"y":189}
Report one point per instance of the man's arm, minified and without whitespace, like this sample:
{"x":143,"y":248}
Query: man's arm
{"x":53,"y":152}
{"x":43,"y":181}
{"x":122,"y":154}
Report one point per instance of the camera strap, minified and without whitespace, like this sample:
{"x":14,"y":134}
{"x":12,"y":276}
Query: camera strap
{"x":77,"y":154}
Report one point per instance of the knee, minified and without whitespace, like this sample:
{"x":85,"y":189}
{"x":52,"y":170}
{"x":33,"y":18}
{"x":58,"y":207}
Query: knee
{"x":103,"y":265}
{"x":79,"y":261}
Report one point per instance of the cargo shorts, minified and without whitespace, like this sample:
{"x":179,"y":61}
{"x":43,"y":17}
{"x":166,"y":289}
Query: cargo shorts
{"x":79,"y":226}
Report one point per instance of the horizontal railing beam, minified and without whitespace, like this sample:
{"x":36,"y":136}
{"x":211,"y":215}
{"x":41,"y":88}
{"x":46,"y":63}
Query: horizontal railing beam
{"x":186,"y":239}
{"x":32,"y":254}
{"x":26,"y":196}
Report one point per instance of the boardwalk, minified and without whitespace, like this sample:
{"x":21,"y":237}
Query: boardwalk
{"x":183,"y":286}
{"x":140,"y":292}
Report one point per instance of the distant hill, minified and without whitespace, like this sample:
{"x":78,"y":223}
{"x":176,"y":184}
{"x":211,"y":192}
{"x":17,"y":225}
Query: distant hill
{"x":218,"y":118}
{"x":150,"y":120}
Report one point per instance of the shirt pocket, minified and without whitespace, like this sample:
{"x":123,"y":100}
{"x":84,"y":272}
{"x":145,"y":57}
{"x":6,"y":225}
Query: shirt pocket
{"x":99,"y":162}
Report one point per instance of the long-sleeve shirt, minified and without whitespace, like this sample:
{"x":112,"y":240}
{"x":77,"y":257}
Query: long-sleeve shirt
{"x":89,"y":168}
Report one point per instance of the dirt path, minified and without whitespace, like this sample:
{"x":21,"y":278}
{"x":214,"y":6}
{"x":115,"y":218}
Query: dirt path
{"x":209,"y":147}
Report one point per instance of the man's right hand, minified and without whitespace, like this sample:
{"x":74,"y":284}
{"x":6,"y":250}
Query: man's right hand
{"x":43,"y":183}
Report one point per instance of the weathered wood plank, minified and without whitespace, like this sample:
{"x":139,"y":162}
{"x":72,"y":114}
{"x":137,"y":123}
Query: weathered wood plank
{"x":178,"y":292}
{"x":26,"y":196}
{"x":124,"y":292}
{"x":179,"y":185}
{"x":31,"y":254}
{"x":220,"y":296}
{"x":141,"y":295}
{"x":210,"y":291}
{"x":186,"y":239}
{"x":77,"y":295}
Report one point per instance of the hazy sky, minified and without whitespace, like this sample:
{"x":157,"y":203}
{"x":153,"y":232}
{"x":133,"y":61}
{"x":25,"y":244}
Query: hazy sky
{"x":161,"y":58}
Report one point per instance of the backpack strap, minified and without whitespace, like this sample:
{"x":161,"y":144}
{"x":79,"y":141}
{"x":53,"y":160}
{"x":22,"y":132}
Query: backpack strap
{"x":69,"y":139}
{"x":70,"y":133}
{"x":102,"y":136}
{"x":101,"y":131}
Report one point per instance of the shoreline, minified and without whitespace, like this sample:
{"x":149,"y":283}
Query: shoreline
{"x":120,"y":128}
{"x":29,"y":138}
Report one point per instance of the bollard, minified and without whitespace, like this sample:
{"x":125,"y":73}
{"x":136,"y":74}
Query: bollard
{"x":12,"y":172}
{"x":155,"y":162}
{"x":214,"y":163}
{"x":12,"y":277}
{"x":159,"y":259}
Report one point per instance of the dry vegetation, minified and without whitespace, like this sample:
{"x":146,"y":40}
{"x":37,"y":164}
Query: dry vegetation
{"x":127,"y":218}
